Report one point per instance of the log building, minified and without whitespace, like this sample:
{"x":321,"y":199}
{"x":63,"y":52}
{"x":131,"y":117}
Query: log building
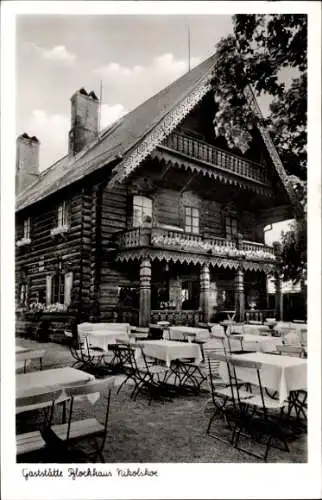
{"x":154,"y":218}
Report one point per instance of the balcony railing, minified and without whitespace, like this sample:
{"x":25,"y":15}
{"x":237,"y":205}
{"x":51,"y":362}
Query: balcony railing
{"x":159,"y":237}
{"x":203,"y":151}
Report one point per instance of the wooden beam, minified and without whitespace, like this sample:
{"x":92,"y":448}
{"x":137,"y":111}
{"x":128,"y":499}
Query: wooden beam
{"x":187,"y":183}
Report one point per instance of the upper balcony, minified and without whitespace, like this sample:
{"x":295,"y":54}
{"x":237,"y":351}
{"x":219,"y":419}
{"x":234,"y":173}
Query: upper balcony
{"x":176,"y":240}
{"x":215,"y":157}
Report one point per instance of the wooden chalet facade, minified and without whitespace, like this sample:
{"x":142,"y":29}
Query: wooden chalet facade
{"x":153,"y":219}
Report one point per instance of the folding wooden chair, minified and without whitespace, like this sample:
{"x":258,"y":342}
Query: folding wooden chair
{"x":70,"y":434}
{"x":27,"y":356}
{"x":29,"y":442}
{"x":125,"y":361}
{"x":223,"y":392}
{"x":150,"y":377}
{"x":258,"y":416}
{"x":84,"y":355}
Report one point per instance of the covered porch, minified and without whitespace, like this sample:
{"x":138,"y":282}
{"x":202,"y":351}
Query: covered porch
{"x":191,"y":290}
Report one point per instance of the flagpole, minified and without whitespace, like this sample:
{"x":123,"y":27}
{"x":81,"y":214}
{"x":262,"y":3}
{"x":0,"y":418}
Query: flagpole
{"x":100,"y":107}
{"x":188,"y":48}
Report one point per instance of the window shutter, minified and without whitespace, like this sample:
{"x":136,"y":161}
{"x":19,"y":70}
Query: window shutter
{"x":68,"y":288}
{"x":49,"y":281}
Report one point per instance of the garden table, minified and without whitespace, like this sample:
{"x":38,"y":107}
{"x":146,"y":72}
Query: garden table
{"x":169,"y":350}
{"x":250,"y":343}
{"x":188,"y":333}
{"x":261,"y":342}
{"x":283,"y":374}
{"x":28,"y":384}
{"x":103,"y":339}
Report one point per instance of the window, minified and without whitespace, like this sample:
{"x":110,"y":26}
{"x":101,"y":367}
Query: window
{"x":231,"y":227}
{"x":142,"y":210}
{"x":62,"y":219}
{"x":192,"y":220}
{"x":23,"y":295}
{"x":26,"y":229}
{"x":58,"y":288}
{"x":190,"y":295}
{"x":62,"y":214}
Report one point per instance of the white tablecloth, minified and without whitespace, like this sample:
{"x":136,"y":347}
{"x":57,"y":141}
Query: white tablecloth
{"x":183,"y":332}
{"x":28,"y":384}
{"x":168,"y":350}
{"x":278,"y":373}
{"x":104,"y":339}
{"x":252,"y":342}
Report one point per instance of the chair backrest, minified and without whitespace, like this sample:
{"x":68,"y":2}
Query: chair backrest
{"x":244,"y":363}
{"x":33,"y":399}
{"x":32,"y":354}
{"x":87,"y":328}
{"x":235,"y":362}
{"x":214,"y":359}
{"x":290,"y":350}
{"x":303,"y":337}
{"x":221,"y":339}
{"x":90,"y":387}
{"x":292,"y":338}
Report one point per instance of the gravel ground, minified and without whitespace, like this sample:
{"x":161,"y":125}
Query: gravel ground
{"x":165,"y":431}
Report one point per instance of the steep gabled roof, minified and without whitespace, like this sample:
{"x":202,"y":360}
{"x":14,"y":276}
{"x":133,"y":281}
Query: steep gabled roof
{"x":120,"y":139}
{"x":132,"y":138}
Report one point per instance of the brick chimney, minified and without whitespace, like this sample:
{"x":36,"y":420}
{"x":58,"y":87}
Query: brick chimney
{"x":27,"y":161}
{"x":84,"y":120}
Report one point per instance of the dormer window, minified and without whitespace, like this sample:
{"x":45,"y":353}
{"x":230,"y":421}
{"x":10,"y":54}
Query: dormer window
{"x":191,"y":220}
{"x":142,"y":210}
{"x":62,"y":219}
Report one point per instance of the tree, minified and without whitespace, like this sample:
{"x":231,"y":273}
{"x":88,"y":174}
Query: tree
{"x":294,"y":241}
{"x":263,"y":49}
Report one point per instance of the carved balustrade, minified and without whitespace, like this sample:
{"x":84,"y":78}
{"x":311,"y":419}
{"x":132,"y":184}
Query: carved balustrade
{"x":179,"y":241}
{"x":194,"y":148}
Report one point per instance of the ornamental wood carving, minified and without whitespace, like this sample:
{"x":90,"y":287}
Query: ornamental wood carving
{"x":160,"y":132}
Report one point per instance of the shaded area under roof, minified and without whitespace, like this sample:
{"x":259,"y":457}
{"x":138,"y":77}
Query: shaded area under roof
{"x":115,"y":141}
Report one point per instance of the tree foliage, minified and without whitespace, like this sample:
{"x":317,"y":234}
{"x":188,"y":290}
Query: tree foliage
{"x":294,"y":241}
{"x":262,"y":52}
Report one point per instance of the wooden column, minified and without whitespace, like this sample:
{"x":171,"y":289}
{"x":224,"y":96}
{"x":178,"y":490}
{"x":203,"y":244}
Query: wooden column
{"x":278,"y":297}
{"x":239,"y":295}
{"x":145,"y":292}
{"x":204,"y":291}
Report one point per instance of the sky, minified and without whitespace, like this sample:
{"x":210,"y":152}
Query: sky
{"x":133,"y":56}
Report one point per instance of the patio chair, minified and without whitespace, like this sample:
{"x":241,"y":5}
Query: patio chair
{"x":223,"y":393}
{"x":86,"y":356}
{"x":259,"y":416}
{"x":150,"y":376}
{"x":29,"y":442}
{"x":124,"y":353}
{"x":69,"y":435}
{"x":291,"y":338}
{"x":27,"y":356}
